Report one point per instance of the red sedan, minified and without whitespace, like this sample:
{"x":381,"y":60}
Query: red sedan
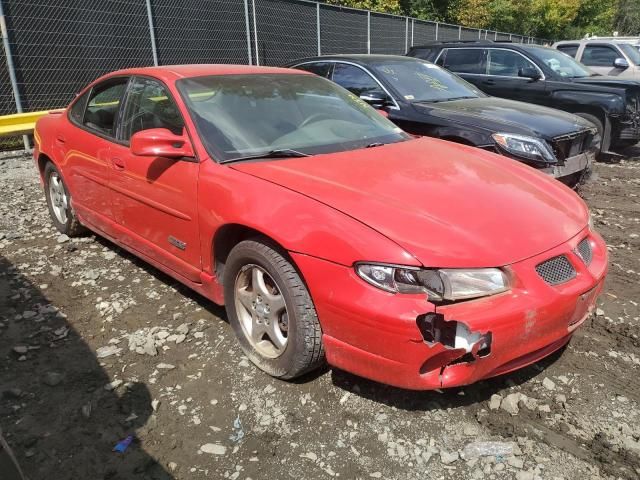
{"x":326,"y":231}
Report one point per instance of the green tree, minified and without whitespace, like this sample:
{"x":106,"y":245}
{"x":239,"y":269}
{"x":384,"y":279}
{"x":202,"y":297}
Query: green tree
{"x":386,"y":6}
{"x":626,"y":19}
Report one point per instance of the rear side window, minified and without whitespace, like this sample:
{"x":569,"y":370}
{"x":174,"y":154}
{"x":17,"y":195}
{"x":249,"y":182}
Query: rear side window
{"x":599,"y":56}
{"x":464,"y":60}
{"x":354,"y":79}
{"x":423,"y":53}
{"x":570,"y":50}
{"x":77,"y":109}
{"x":321,"y":68}
{"x":104,"y":105}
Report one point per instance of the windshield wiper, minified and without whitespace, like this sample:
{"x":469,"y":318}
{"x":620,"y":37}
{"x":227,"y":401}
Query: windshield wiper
{"x":375,"y":144}
{"x":438,"y":100}
{"x":276,"y":153}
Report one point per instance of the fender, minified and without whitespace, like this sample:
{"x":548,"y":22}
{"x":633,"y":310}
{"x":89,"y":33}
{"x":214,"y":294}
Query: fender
{"x":608,"y":102}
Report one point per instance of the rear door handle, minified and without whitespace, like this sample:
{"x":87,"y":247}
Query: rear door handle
{"x":489,"y":82}
{"x":118,"y":163}
{"x":60,"y":139}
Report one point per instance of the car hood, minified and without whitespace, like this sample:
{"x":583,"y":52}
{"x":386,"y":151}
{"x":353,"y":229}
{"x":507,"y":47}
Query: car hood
{"x":609,"y":81}
{"x":447,"y":204}
{"x":509,"y":116}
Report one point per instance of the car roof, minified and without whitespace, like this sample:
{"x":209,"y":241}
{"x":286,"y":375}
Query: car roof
{"x":359,"y":58}
{"x":176,"y":72}
{"x":600,"y":40}
{"x":478,"y":43}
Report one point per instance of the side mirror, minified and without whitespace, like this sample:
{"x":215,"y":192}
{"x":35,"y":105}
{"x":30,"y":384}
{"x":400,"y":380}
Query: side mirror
{"x":529,"y":72}
{"x":160,"y":142}
{"x":620,"y":63}
{"x":375,"y":99}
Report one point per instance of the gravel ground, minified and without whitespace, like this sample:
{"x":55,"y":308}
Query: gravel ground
{"x":96,"y":346}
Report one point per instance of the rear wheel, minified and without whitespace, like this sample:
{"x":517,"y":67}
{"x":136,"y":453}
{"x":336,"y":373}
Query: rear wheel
{"x":59,"y":202}
{"x":271,"y":311}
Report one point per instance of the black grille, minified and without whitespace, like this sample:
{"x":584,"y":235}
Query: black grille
{"x":584,"y":251}
{"x":556,"y":270}
{"x":568,"y":146}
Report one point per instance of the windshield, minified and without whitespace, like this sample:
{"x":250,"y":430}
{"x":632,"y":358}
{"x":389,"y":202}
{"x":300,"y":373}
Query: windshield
{"x":420,"y":81}
{"x":631,"y":52}
{"x":561,"y":63}
{"x":246,"y":115}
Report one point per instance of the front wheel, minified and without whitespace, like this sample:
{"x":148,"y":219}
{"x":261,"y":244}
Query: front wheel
{"x":59,"y":203}
{"x":271,"y":311}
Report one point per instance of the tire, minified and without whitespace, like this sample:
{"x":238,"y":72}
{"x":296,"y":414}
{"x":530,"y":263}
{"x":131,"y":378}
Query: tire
{"x":59,"y":203}
{"x":284,"y":311}
{"x":599,"y":126}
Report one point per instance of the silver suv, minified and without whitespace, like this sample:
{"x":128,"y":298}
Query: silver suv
{"x":607,"y":56}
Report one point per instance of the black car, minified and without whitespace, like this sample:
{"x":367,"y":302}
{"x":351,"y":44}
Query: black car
{"x":545,"y":76}
{"x":424,"y":99}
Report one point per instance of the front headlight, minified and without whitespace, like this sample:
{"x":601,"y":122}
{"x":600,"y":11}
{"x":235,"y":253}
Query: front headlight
{"x":523,"y":146}
{"x":448,"y":284}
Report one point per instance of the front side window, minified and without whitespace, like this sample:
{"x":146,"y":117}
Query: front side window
{"x":463,"y":60}
{"x":104,"y":103}
{"x":507,"y":63}
{"x":321,"y":68}
{"x":243,"y":115}
{"x":149,"y":105}
{"x":420,"y":81}
{"x":355,"y":79}
{"x":570,"y":50}
{"x":599,"y":56}
{"x":561,"y":64}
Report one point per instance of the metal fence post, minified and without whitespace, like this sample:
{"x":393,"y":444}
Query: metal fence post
{"x":318,"y":27}
{"x":459,"y":32}
{"x":495,"y":36}
{"x":255,"y":31}
{"x":152,"y":34}
{"x":437,"y":24}
{"x":368,"y":31}
{"x":413,"y":24}
{"x":248,"y":28}
{"x":406,"y":34}
{"x":12,"y":71}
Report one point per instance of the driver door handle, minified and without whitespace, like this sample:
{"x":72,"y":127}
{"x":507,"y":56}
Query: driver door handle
{"x":118,"y":163}
{"x":489,"y":82}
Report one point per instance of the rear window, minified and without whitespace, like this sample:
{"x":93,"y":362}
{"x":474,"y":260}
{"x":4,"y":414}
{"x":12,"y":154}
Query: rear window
{"x":77,"y":109}
{"x":463,"y":60}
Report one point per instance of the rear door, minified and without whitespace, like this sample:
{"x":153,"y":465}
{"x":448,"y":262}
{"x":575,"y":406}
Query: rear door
{"x":155,"y":198}
{"x":87,"y":151}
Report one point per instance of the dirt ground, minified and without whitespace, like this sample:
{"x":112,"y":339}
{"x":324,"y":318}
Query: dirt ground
{"x":96,"y":346}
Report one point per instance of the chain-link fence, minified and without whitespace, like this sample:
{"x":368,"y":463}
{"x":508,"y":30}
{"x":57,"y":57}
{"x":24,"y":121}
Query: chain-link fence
{"x":58,"y":46}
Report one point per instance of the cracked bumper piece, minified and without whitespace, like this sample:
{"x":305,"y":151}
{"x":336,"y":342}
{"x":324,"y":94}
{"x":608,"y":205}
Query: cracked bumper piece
{"x":571,"y":165}
{"x":387,"y":338}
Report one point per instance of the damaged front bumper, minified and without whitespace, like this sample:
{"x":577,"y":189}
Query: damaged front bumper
{"x":578,"y":163}
{"x":406,"y":341}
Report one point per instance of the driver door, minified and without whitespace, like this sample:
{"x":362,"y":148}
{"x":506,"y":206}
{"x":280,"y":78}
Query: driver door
{"x":155,"y":198}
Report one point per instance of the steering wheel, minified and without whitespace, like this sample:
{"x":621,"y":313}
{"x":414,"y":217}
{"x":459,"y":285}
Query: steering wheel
{"x":314,"y":118}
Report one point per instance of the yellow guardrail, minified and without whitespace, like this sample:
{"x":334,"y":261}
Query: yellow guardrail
{"x":20,"y":123}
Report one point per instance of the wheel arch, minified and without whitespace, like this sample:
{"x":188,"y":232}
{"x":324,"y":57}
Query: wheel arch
{"x":229,"y":235}
{"x":42,"y":161}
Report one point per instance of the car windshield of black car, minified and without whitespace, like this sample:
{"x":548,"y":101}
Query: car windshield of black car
{"x":420,"y":81}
